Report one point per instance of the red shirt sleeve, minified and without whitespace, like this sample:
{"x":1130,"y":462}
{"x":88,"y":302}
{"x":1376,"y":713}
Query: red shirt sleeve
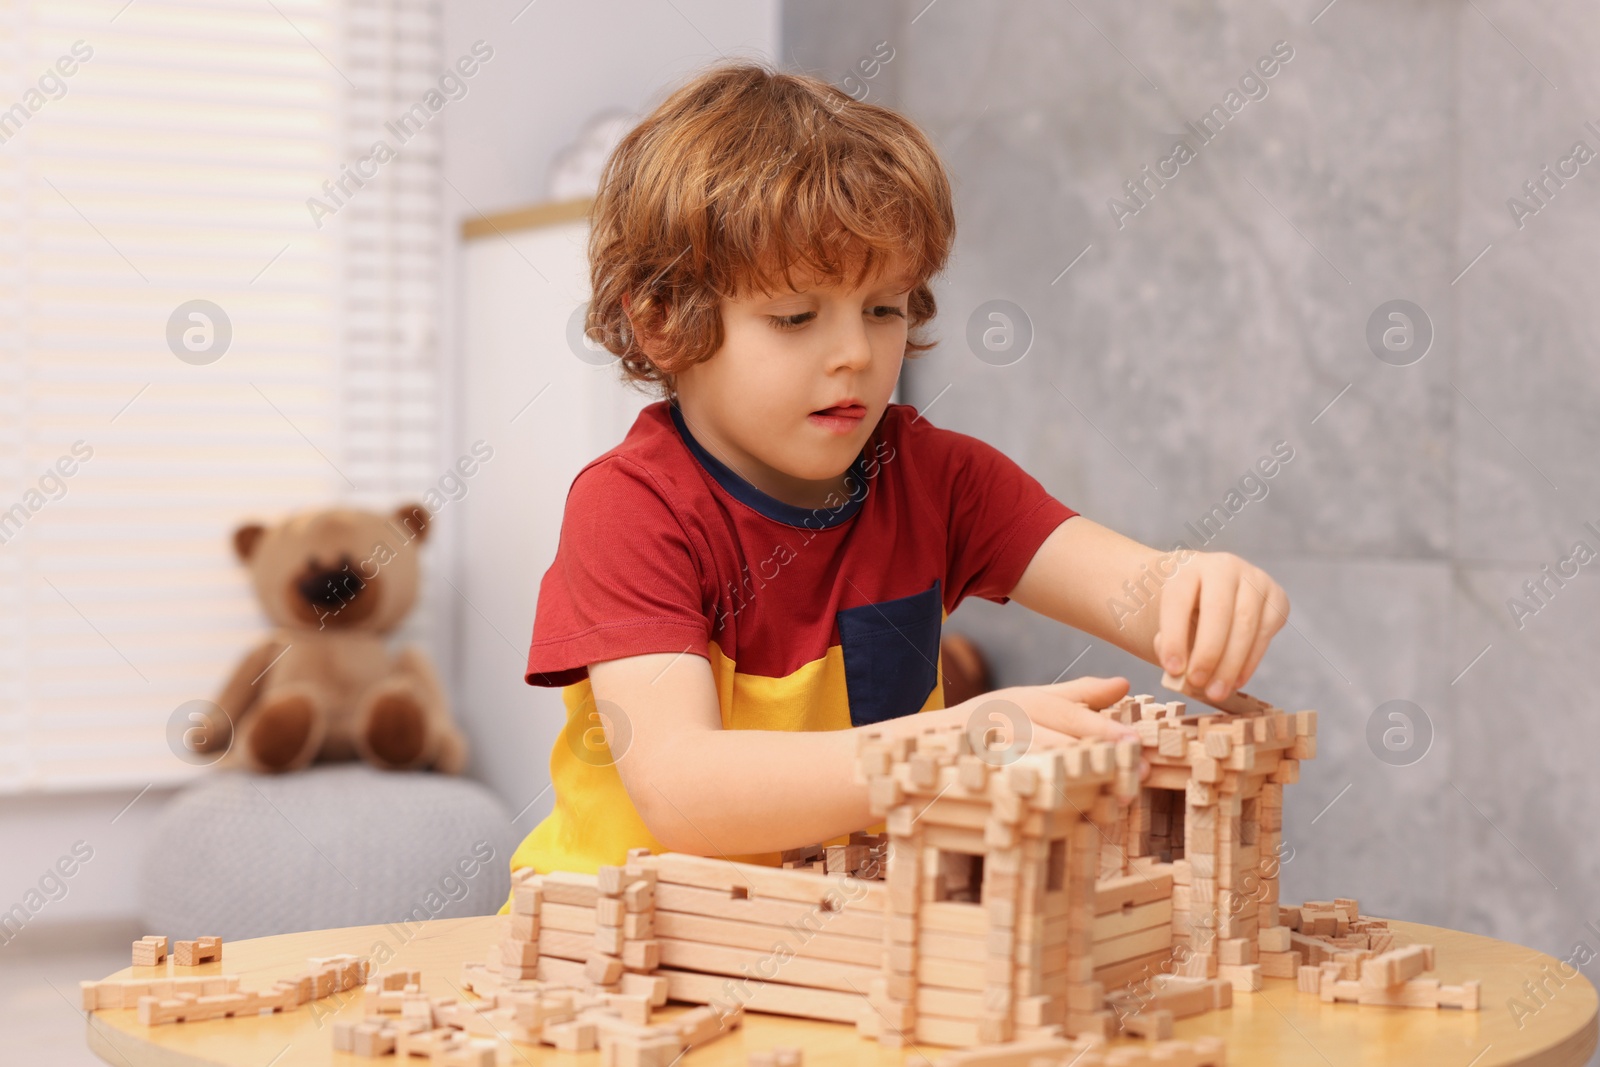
{"x":998,"y":515}
{"x":625,"y":581}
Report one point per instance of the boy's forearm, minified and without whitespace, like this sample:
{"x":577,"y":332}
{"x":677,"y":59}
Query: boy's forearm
{"x":731,"y":792}
{"x":1099,"y":581}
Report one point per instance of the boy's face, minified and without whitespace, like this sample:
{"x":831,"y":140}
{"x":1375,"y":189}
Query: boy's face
{"x":787,"y":356}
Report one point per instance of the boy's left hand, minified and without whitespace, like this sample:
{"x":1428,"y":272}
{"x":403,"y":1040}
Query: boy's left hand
{"x":1239,"y":609}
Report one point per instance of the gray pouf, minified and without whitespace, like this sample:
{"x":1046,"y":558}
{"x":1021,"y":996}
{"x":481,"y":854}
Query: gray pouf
{"x":242,"y":855}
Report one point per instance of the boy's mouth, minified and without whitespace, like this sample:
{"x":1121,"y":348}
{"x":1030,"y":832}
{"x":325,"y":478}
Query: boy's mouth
{"x":841,"y":418}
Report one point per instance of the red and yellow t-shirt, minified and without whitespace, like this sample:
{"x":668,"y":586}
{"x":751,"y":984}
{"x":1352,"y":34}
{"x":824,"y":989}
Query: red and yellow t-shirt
{"x":812,"y":619}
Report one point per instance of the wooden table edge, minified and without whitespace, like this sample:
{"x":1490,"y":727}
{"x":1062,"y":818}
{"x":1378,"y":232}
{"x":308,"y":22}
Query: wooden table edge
{"x":132,"y":1048}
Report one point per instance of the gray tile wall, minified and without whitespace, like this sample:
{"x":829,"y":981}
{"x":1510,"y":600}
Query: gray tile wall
{"x":1231,"y":311}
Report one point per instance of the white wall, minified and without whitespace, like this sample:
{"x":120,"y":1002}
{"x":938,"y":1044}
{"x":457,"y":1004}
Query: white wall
{"x":37,"y":831}
{"x":560,"y":62}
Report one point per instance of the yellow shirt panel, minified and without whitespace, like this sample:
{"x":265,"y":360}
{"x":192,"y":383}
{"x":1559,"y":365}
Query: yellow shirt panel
{"x":594,"y":822}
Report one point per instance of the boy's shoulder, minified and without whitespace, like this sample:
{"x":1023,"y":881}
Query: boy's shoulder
{"x":649,"y":455}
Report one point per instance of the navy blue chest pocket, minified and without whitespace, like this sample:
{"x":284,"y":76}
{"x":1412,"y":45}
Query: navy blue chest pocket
{"x":891,"y":655}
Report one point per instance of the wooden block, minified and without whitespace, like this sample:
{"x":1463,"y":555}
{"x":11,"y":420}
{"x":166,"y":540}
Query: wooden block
{"x":801,"y":970}
{"x":1392,"y":968}
{"x":1130,"y":918}
{"x":1237,"y":703}
{"x":526,"y":898}
{"x":773,"y":997}
{"x":1417,"y":993}
{"x":1274,"y":939}
{"x":1172,"y":743}
{"x":652,"y":987}
{"x":634,"y":1010}
{"x":371,"y":1040}
{"x":1235,"y":950}
{"x":474,"y":1052}
{"x":610,"y":880}
{"x":608,"y":939}
{"x":1151,"y":1025}
{"x":642,"y":956}
{"x":756,"y":880}
{"x":1128,"y":946}
{"x":639,"y":896}
{"x":149,"y":951}
{"x":1466,"y":996}
{"x":1130,"y":972}
{"x":519,"y":954}
{"x":579,"y":1035}
{"x":608,"y":911}
{"x":570,"y":887}
{"x":819,"y":941}
{"x":1338,"y":990}
{"x":1246,"y":978}
{"x":699,"y":1025}
{"x":1280,"y":964}
{"x":1168,"y":986}
{"x":973,"y":774}
{"x":1141,"y":887}
{"x":198,"y":951}
{"x":572,"y":917}
{"x":602,"y":969}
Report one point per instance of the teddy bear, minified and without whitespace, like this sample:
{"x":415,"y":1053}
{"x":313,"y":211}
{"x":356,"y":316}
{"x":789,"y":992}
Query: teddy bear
{"x":325,"y":685}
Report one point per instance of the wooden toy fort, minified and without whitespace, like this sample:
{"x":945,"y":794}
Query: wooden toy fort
{"x":1022,"y":906}
{"x":1031,"y":897}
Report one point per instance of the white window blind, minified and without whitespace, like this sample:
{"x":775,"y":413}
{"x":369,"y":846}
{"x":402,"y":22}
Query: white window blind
{"x":175,"y":163}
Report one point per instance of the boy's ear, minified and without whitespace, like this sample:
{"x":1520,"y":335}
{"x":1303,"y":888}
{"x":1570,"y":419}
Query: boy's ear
{"x":643,"y":337}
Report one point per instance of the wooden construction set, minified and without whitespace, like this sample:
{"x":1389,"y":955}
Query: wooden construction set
{"x":1023,"y":907}
{"x":194,"y":998}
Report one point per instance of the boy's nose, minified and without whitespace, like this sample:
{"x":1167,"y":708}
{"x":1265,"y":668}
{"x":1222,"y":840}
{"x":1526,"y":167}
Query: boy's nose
{"x":852,"y":350}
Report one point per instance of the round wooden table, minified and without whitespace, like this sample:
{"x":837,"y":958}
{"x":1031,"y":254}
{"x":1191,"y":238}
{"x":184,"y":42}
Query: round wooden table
{"x":1278,"y":1025}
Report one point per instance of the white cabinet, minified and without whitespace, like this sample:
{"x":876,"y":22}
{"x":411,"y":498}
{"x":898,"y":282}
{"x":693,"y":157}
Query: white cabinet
{"x":522,"y":277}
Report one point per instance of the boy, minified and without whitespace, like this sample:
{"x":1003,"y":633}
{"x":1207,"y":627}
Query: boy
{"x":762,"y":567}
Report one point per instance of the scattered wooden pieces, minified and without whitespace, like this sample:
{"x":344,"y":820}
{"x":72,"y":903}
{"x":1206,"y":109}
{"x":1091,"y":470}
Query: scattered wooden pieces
{"x":334,"y":974}
{"x":125,"y":992}
{"x":1349,"y":958}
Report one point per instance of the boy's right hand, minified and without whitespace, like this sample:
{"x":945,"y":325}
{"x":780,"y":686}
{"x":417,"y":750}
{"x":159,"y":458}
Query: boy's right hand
{"x":1037,"y":716}
{"x":1058,"y":712}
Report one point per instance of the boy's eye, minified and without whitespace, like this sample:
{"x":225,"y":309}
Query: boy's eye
{"x":792,"y":322}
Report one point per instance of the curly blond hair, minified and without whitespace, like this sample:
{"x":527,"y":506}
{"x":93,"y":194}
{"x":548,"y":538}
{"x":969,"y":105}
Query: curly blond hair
{"x":735,"y":178}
